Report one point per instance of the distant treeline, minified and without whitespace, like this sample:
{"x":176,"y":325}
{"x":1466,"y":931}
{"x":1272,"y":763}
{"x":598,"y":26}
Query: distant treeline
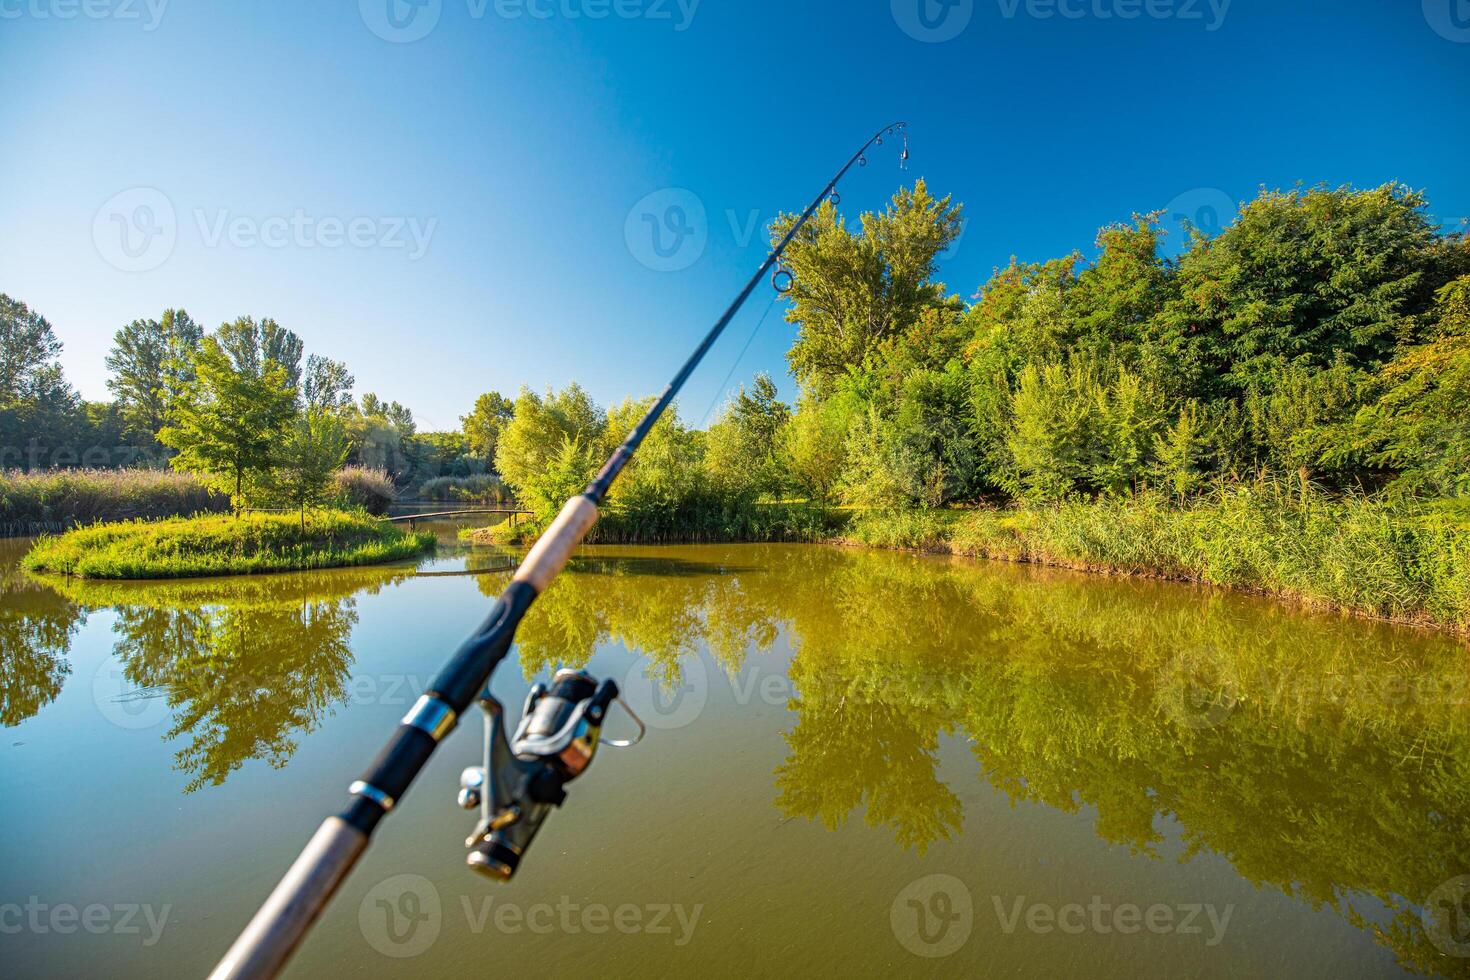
{"x":1324,"y":336}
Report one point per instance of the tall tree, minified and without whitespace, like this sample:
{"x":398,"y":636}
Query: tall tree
{"x":851,"y":291}
{"x":251,"y":345}
{"x":482,"y":427}
{"x":151,"y":361}
{"x":327,"y":384}
{"x":40,"y":413}
{"x":314,"y":447}
{"x":228,"y":421}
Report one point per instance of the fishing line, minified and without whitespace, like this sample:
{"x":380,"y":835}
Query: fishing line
{"x":723,"y":389}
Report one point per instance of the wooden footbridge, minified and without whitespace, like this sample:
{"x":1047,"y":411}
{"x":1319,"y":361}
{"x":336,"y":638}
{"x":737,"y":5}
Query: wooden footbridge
{"x":412,"y":519}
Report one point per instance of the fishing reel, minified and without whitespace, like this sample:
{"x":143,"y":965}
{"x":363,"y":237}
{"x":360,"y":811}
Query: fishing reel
{"x":523,"y":778}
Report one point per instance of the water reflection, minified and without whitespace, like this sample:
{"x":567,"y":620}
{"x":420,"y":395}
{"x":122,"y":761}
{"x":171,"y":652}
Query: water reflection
{"x":1323,"y":757}
{"x":1328,"y":758}
{"x":246,"y":666}
{"x":36,"y":627}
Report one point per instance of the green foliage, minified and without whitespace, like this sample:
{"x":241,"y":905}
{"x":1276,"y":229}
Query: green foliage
{"x":482,"y":427}
{"x":1386,"y":558}
{"x":252,"y":347}
{"x":314,"y":447}
{"x":1420,"y":426}
{"x":227,"y":422}
{"x":814,"y":444}
{"x":852,"y":291}
{"x":60,"y":497}
{"x":550,"y":444}
{"x":222,"y":545}
{"x":367,"y":489}
{"x":742,"y":450}
{"x":480,"y":489}
{"x":151,"y":361}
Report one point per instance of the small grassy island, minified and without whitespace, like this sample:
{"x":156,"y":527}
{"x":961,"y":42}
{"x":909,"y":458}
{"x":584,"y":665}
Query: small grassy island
{"x":249,"y":544}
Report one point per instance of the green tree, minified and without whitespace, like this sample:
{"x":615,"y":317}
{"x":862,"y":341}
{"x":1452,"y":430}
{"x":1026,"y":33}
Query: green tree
{"x":742,"y":449}
{"x":539,"y":432}
{"x":1419,"y":425}
{"x":851,"y":291}
{"x":314,"y":447}
{"x":40,"y":413}
{"x":1304,"y":277}
{"x":251,"y":346}
{"x":151,"y":361}
{"x":482,"y":427}
{"x":227,"y":422}
{"x":327,"y":384}
{"x":814,"y":443}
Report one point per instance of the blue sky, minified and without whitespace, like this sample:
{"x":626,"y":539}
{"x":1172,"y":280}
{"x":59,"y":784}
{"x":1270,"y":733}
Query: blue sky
{"x":466,"y":210}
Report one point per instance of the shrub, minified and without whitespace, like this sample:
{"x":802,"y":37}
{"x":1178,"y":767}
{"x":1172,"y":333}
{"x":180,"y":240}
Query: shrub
{"x":481,"y":489}
{"x":358,"y":486}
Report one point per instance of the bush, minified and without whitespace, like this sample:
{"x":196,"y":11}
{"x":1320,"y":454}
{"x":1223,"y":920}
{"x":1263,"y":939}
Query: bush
{"x":480,"y":489}
{"x":223,"y":545}
{"x":63,"y":498}
{"x":358,"y":486}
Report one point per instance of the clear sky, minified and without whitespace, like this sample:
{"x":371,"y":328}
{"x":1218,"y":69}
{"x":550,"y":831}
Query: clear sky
{"x":470,"y":209}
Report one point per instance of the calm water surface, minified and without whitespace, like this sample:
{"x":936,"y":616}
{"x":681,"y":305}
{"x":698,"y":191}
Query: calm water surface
{"x":858,"y":764}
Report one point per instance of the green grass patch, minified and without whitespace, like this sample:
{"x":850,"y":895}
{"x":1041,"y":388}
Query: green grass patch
{"x":1405,"y":561}
{"x":223,"y":545}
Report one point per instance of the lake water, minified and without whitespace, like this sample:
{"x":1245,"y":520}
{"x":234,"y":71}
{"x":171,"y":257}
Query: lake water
{"x":858,"y":763}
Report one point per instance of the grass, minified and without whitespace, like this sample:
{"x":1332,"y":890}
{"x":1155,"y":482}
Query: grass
{"x":222,"y":545}
{"x":1404,"y":561}
{"x":54,"y":500}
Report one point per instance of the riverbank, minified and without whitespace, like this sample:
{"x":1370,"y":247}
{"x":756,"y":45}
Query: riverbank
{"x":1405,"y":562}
{"x":1397,"y":561}
{"x":249,"y":544}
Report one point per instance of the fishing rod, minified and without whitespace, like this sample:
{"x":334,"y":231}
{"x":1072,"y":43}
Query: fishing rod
{"x":523,"y":777}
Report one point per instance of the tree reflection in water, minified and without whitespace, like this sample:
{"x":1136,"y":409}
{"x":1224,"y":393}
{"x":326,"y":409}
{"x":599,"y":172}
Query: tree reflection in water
{"x":36,"y":627}
{"x":247,"y":665}
{"x":1329,"y":758}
